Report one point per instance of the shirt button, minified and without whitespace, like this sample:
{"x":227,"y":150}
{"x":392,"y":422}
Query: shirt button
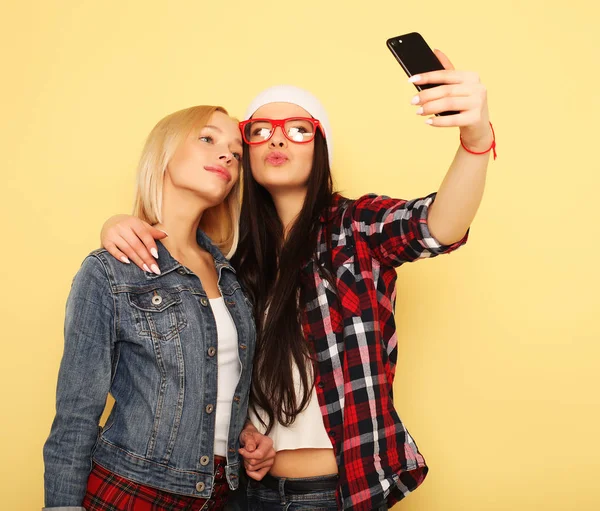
{"x":209,"y":408}
{"x":332,"y":433}
{"x":204,"y":301}
{"x":212,"y":351}
{"x":320,"y":385}
{"x":204,"y":461}
{"x":199,"y":486}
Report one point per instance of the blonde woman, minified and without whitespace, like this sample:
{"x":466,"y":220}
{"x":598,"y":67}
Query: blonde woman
{"x":173,"y":347}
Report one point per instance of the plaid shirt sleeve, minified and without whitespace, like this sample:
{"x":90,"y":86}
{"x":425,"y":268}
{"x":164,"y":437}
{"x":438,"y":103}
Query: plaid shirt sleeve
{"x":396,"y":230}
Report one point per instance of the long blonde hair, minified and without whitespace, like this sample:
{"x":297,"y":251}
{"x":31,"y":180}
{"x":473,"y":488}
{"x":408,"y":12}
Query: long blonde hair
{"x":221,"y":222}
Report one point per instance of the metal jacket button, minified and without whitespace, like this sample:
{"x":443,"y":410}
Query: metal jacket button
{"x":204,"y":301}
{"x":199,"y":486}
{"x":212,"y":351}
{"x":209,"y":408}
{"x":157,"y":299}
{"x":204,"y":460}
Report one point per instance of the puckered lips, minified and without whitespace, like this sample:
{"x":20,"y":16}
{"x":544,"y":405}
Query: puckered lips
{"x":276,"y":158}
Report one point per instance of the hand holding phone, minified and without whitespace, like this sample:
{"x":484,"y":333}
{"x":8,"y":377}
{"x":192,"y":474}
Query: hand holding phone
{"x":416,"y":57}
{"x":454,"y":98}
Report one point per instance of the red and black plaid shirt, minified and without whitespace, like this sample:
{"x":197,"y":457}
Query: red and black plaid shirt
{"x":353,"y":332}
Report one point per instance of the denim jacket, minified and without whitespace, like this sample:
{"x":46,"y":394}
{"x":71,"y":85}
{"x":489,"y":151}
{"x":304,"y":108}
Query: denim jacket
{"x":150,"y":340}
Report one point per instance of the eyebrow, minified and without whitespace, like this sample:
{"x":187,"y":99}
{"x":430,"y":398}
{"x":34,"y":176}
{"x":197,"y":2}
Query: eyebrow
{"x":238,"y":140}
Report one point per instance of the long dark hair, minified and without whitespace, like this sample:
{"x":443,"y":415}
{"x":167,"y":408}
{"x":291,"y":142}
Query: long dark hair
{"x":270,"y":269}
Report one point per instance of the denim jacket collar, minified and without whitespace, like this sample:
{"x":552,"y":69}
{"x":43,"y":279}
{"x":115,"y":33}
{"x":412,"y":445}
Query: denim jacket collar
{"x":168,"y":263}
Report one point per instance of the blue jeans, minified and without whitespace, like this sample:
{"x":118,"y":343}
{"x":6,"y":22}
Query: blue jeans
{"x":263,"y":498}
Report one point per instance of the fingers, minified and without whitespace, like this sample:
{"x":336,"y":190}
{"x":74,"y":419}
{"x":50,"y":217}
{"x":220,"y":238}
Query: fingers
{"x":247,"y":437}
{"x":116,"y":253}
{"x":442,"y":91}
{"x":147,"y":235}
{"x":257,"y":475}
{"x":446,"y":76}
{"x":248,"y":443}
{"x":438,"y":106}
{"x":157,"y":234}
{"x":258,"y":454}
{"x":257,"y":465}
{"x":463,"y":119}
{"x":131,"y":239}
{"x":117,"y":245}
{"x":469,"y":99}
{"x":136,"y":250}
{"x":443,"y":59}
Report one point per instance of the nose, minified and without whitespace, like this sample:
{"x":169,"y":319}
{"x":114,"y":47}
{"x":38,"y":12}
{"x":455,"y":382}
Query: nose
{"x":226,"y":158}
{"x":278,"y":139}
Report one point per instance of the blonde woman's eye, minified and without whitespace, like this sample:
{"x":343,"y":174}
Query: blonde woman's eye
{"x":237,"y":156}
{"x":207,"y":139}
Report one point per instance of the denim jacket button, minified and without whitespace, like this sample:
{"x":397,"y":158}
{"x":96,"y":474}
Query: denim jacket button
{"x":157,"y":299}
{"x":181,"y":271}
{"x":209,"y":408}
{"x":199,"y":486}
{"x":204,"y":301}
{"x":204,"y":460}
{"x":212,"y":351}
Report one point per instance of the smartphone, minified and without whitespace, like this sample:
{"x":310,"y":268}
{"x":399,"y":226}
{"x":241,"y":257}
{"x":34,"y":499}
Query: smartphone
{"x":416,"y":57}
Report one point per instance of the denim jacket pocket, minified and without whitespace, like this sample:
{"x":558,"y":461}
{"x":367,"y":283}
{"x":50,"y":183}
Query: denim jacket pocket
{"x":157,"y":313}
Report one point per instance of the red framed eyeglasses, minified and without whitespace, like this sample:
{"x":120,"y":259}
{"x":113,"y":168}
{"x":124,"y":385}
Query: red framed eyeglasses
{"x":299,"y":130}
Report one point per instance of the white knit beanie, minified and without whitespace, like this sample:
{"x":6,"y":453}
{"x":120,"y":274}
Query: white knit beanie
{"x":296,"y":96}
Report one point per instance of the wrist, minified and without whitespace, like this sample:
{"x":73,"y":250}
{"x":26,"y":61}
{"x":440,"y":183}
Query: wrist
{"x":481,"y":144}
{"x":477,"y":138}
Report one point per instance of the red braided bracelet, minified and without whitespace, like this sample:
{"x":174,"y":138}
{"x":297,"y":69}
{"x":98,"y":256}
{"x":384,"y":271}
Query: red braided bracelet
{"x":492,"y":147}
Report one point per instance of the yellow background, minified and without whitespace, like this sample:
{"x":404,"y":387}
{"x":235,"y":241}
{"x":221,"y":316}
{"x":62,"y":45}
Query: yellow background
{"x":499,"y":343}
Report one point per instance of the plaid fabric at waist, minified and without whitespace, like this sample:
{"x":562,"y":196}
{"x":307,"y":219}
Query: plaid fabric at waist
{"x":107,"y":491}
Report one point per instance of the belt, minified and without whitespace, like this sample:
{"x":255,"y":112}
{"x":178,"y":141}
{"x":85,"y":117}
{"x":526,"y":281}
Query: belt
{"x":298,"y":486}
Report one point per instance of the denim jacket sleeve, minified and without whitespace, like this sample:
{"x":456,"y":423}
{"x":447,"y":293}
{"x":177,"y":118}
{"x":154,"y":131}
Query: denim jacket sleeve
{"x":84,"y":381}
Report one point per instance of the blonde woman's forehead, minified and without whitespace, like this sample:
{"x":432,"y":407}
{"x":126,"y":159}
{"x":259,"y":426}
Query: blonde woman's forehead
{"x":223,"y":124}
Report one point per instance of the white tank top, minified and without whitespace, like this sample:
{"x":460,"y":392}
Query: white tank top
{"x":306,"y":432}
{"x":228,"y":371}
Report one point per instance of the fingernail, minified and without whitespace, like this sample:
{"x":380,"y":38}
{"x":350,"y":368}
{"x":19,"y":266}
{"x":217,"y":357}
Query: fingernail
{"x":429,"y":121}
{"x":414,"y":78}
{"x":154,"y":253}
{"x":146,"y":268}
{"x":155,"y":269}
{"x":163,"y":231}
{"x":419,"y":110}
{"x":126,"y":260}
{"x":416,"y":100}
